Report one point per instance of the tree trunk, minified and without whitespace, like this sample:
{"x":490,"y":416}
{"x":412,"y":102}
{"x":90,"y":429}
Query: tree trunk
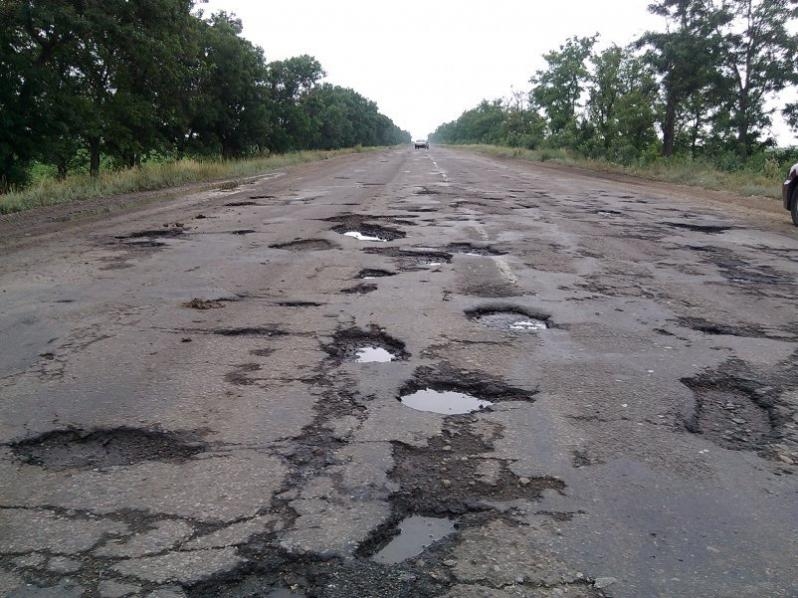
{"x":669,"y":127}
{"x":62,"y":169}
{"x":94,"y":156}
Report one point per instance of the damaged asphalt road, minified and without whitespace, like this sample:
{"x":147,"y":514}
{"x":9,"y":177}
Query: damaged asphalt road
{"x":401,"y":374}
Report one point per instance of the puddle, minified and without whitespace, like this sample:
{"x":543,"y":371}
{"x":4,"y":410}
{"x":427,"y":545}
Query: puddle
{"x":446,"y":402}
{"x":361,"y":237}
{"x":415,"y":535}
{"x":373,"y":355}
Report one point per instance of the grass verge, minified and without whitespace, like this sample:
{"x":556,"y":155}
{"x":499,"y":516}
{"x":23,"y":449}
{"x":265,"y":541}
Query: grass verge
{"x":682,"y":172}
{"x":153,"y":176}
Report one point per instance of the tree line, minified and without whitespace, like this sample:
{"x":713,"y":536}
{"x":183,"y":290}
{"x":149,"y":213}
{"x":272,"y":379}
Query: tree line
{"x":701,"y":88}
{"x":85,"y":83}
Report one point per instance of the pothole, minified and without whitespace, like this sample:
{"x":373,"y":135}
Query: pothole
{"x":413,"y":260}
{"x":415,"y":535}
{"x":455,"y":474}
{"x":241,"y":204}
{"x":243,"y":231}
{"x":366,"y":346}
{"x":371,"y":273}
{"x":473,"y":250}
{"x":445,"y":402}
{"x":203,"y":304}
{"x":448,"y":391}
{"x":168,"y":231}
{"x":299,"y":304}
{"x":305,"y":245}
{"x":369,"y":232}
{"x":76,"y":449}
{"x":360,"y":289}
{"x":248,"y":331}
{"x":729,"y":413}
{"x":700,"y":228}
{"x":510,"y":319}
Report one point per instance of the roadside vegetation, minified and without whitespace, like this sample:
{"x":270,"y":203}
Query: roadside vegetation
{"x":689,"y":105}
{"x":48,"y":190}
{"x":111,"y":96}
{"x":762,"y":178}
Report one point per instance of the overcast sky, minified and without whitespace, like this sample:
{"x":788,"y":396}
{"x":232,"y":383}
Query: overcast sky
{"x":425,"y":62}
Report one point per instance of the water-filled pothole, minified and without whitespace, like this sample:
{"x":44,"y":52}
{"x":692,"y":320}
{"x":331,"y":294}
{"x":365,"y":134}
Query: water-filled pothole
{"x":509,"y":319}
{"x":369,"y":232}
{"x":366,"y":346}
{"x":446,"y":402}
{"x":72,"y":449}
{"x":416,"y":534}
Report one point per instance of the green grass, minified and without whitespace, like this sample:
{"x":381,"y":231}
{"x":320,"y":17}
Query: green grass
{"x":47,"y":191}
{"x":763,"y":183}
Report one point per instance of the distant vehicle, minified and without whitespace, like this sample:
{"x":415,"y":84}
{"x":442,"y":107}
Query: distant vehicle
{"x":789,"y":193}
{"x":421,"y":143}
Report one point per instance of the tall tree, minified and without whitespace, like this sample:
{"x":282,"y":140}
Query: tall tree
{"x":686,"y":56}
{"x":558,"y":89}
{"x":621,"y":106}
{"x":759,"y":59}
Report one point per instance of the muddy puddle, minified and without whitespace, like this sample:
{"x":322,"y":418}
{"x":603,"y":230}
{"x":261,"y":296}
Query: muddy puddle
{"x":510,"y":320}
{"x":445,"y":402}
{"x":416,"y":534}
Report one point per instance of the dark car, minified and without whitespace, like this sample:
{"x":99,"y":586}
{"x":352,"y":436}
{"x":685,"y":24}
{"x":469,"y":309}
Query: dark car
{"x":789,"y":193}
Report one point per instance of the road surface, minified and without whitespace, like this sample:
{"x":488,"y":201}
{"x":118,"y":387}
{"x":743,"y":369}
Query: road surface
{"x":401,"y":373}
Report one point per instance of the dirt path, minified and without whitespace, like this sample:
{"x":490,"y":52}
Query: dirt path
{"x":407,"y":374}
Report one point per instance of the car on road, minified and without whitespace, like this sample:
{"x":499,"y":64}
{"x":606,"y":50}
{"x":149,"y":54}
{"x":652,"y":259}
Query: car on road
{"x":789,"y":193}
{"x":421,"y":143}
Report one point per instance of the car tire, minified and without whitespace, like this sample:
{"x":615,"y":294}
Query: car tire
{"x":794,"y":206}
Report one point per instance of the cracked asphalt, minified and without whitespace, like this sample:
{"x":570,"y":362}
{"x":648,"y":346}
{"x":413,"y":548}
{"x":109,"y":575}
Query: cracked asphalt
{"x":187,"y":407}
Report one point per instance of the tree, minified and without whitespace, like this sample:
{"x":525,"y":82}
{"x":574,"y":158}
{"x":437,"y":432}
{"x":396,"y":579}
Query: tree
{"x":759,"y":59}
{"x":686,"y":57}
{"x":620,"y":107}
{"x":231,"y":102}
{"x":558,"y":89}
